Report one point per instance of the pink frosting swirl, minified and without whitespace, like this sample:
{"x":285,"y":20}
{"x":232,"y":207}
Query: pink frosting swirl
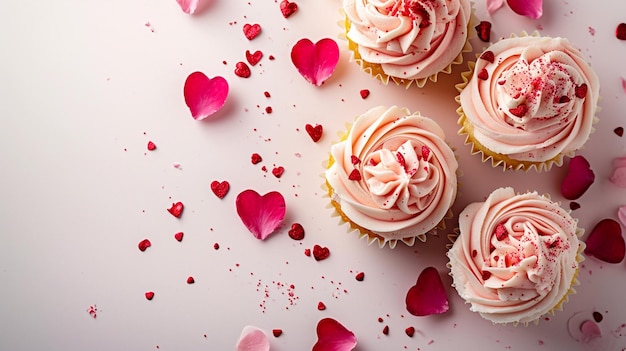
{"x":393,"y":174}
{"x":515,"y":257}
{"x":410,"y":39}
{"x":531,"y":98}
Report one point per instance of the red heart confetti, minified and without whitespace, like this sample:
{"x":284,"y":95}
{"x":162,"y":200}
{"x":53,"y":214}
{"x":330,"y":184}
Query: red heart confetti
{"x":278,"y":171}
{"x":321,"y":306}
{"x":307,"y":252}
{"x":619,"y":131}
{"x":314,"y":132}
{"x":149,"y":295}
{"x":359,"y":276}
{"x":151,"y":146}
{"x":620,"y":31}
{"x":483,"y":30}
{"x":242,"y":70}
{"x":262,"y":215}
{"x":484,"y":75}
{"x":251,"y":30}
{"x":488,"y":56}
{"x":333,"y":336}
{"x":316,"y":62}
{"x":144,"y":244}
{"x":581,"y":91}
{"x":255,"y":158}
{"x":410,"y":331}
{"x":519,"y":111}
{"x":277,"y":332}
{"x":220,"y":189}
{"x":364,"y":93}
{"x":355,"y":175}
{"x":177,"y":209}
{"x":578,"y":179}
{"x":288,"y":8}
{"x":606,"y":242}
{"x":296,"y":232}
{"x":179,"y":236}
{"x":428,"y":295}
{"x":190,"y":280}
{"x":204,"y":96}
{"x":320,"y":253}
{"x":253,"y":59}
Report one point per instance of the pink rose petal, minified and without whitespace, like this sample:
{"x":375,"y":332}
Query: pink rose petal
{"x":621,"y":214}
{"x":590,"y":330}
{"x":204,"y":96}
{"x":493,"y":5}
{"x":606,"y":242}
{"x":332,"y":336}
{"x":188,"y":6}
{"x":428,"y":295}
{"x":619,"y":172}
{"x":578,"y":179}
{"x":529,"y":8}
{"x":262,"y":215}
{"x":315,"y":62}
{"x":252,"y":339}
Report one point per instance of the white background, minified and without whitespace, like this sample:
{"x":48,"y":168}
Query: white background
{"x":84,"y":85}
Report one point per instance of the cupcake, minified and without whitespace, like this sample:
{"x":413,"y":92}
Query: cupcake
{"x":527,"y":102}
{"x":393,"y":176}
{"x":516,"y":257}
{"x":407,"y":40}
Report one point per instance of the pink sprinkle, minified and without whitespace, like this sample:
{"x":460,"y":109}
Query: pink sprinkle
{"x":592,"y":31}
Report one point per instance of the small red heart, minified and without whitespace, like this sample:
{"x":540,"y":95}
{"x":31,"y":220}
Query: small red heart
{"x":581,"y":91}
{"x":606,"y":242}
{"x":484,"y":75}
{"x":251,"y":30}
{"x":253,"y":59}
{"x":190,"y":280}
{"x":151,"y":146}
{"x":277,"y":332}
{"x":179,"y":236}
{"x":320,"y":253}
{"x":321,"y":306}
{"x":314,"y":132}
{"x":519,"y":111}
{"x":177,"y":209}
{"x":255,"y":158}
{"x":144,"y":244}
{"x":483,"y":30}
{"x":360,"y":276}
{"x":288,"y":8}
{"x":364,"y":93}
{"x":242,"y":70}
{"x":278,"y":171}
{"x":410,"y":331}
{"x":149,"y":295}
{"x":220,"y":189}
{"x":355,"y":175}
{"x":307,"y":252}
{"x":620,"y":31}
{"x":488,"y":56}
{"x":296,"y":232}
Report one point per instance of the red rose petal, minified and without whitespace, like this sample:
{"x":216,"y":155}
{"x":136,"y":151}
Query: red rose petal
{"x":144,"y":244}
{"x":288,"y":8}
{"x":620,"y":31}
{"x":278,"y":171}
{"x":364,"y":93}
{"x":255,"y":158}
{"x":262,"y":215}
{"x":314,"y":132}
{"x":220,"y":189}
{"x":316,"y":62}
{"x":251,"y":30}
{"x":149,"y":295}
{"x":578,"y":179}
{"x":204,"y":96}
{"x":242,"y":70}
{"x":428,"y":295}
{"x":483,"y":30}
{"x":320,"y":253}
{"x":332,"y":336}
{"x":296,"y":232}
{"x":606,"y":242}
{"x":179,"y":236}
{"x":253,"y":59}
{"x":177,"y":209}
{"x":151,"y":146}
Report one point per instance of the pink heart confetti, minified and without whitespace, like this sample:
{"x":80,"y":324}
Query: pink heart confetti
{"x":316,"y":62}
{"x":578,"y":179}
{"x":188,"y":6}
{"x":606,"y":242}
{"x":428,"y":295}
{"x":619,"y":172}
{"x":252,"y":339}
{"x":204,"y":96}
{"x":332,"y":336}
{"x":262,"y":215}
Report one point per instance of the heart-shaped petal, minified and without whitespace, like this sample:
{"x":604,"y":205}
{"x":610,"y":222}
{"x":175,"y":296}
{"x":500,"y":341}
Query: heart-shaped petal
{"x":204,"y":96}
{"x":262,"y":215}
{"x":578,"y":179}
{"x":619,"y":172}
{"x":606,"y":242}
{"x":428,"y":295}
{"x":188,"y":6}
{"x":332,"y":336}
{"x":316,"y":62}
{"x":252,"y":339}
{"x":529,"y":8}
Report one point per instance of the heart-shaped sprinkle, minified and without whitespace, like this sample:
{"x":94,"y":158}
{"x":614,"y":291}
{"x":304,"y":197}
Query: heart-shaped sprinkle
{"x":578,"y":179}
{"x":253,"y":59}
{"x":483,"y":30}
{"x":316,"y":62}
{"x":179,"y":236}
{"x":307,"y":252}
{"x":252,"y":339}
{"x":220,"y":189}
{"x":144,"y":244}
{"x":190,"y":280}
{"x":151,"y":146}
{"x":242,"y":70}
{"x":580,"y":91}
{"x":278,"y":171}
{"x":484,"y":75}
{"x":333,"y":336}
{"x":620,"y":31}
{"x":277,"y":332}
{"x":619,"y":131}
{"x":204,"y":96}
{"x":251,"y":30}
{"x":188,"y":6}
{"x":288,"y":8}
{"x":410,"y":331}
{"x":488,"y":56}
{"x":255,"y":158}
{"x":359,"y":276}
{"x":428,"y":295}
{"x":262,"y":215}
{"x":606,"y":242}
{"x":177,"y":209}
{"x":355,"y":175}
{"x":519,"y":111}
{"x":364,"y":93}
{"x":149,"y":295}
{"x":321,"y":306}
{"x":296,"y":232}
{"x":320,"y":253}
{"x":314,"y":132}
{"x":619,"y":172}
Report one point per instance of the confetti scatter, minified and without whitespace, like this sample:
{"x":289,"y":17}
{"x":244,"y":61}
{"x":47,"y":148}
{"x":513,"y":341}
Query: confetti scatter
{"x":93,"y":311}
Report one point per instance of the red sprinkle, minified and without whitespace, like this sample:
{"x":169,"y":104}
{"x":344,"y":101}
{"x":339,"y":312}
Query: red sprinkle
{"x":254,"y":58}
{"x":268,"y":109}
{"x":488,"y":56}
{"x":307,"y":252}
{"x":501,"y":232}
{"x":619,"y":131}
{"x":251,"y":30}
{"x":256,"y":158}
{"x":574,"y":205}
{"x":190,"y":280}
{"x":355,"y":175}
{"x":519,"y":111}
{"x":216,"y":246}
{"x":320,"y":253}
{"x":354,"y":160}
{"x":314,"y":132}
{"x":144,"y":244}
{"x":177,"y":209}
{"x":242,"y":70}
{"x":278,"y":171}
{"x":410,"y":331}
{"x":386,"y":330}
{"x":483,"y":29}
{"x":321,"y":306}
{"x":364,"y":93}
{"x":277,"y":332}
{"x":151,"y":146}
{"x":483,"y":74}
{"x":581,"y":91}
{"x":620,"y":31}
{"x":360,"y":276}
{"x":220,"y":189}
{"x":296,"y":232}
{"x":288,"y":8}
{"x":267,"y":94}
{"x":486,"y":275}
{"x":149,"y":295}
{"x":179,"y":236}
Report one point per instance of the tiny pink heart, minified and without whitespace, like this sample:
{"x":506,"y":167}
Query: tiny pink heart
{"x":261,"y":214}
{"x":204,"y":96}
{"x":578,"y":179}
{"x":428,"y":295}
{"x":606,"y":242}
{"x":316,"y":62}
{"x":333,"y":336}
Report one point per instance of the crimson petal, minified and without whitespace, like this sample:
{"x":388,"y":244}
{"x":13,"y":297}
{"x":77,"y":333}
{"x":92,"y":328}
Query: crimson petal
{"x":428,"y":295}
{"x":578,"y":179}
{"x":332,"y":336}
{"x":529,"y":8}
{"x":252,"y":339}
{"x":316,"y":62}
{"x":606,"y":242}
{"x":204,"y":96}
{"x":188,"y":6}
{"x":262,"y":215}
